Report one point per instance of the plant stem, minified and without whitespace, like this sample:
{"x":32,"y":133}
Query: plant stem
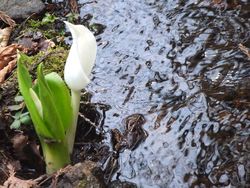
{"x":56,"y":155}
{"x":75,"y":102}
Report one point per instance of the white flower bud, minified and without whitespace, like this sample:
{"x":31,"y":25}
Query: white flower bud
{"x":81,"y":57}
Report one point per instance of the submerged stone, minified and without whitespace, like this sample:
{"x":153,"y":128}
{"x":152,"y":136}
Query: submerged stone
{"x":85,"y":175}
{"x":229,"y":85}
{"x":21,"y":8}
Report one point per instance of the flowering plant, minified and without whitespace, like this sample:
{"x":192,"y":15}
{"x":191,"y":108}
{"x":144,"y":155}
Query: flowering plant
{"x":53,"y":110}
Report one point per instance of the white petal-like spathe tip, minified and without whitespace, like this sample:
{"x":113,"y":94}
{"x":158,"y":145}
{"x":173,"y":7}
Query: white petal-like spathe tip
{"x":81,"y":57}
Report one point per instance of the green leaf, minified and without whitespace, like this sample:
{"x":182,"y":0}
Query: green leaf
{"x":16,"y":124}
{"x":18,"y":98}
{"x":15,"y":107}
{"x":23,"y":58}
{"x":61,"y":98}
{"x":20,"y":119}
{"x":25,"y":118}
{"x":25,"y":83}
{"x":51,"y":115}
{"x":37,"y":102}
{"x":49,"y":18}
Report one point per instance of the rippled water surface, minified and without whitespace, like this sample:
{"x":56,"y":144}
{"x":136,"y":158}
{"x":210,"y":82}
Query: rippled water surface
{"x":178,"y":64}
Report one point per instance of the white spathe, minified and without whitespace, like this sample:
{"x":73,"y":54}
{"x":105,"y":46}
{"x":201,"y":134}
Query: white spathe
{"x":81,"y":57}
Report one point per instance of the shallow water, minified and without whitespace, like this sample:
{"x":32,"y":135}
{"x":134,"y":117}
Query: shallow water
{"x":160,"y":58}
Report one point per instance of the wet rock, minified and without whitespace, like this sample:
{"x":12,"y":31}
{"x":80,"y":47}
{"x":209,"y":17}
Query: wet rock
{"x":229,"y":85}
{"x":133,"y":135}
{"x":87,"y":175}
{"x":21,"y":8}
{"x":122,"y":184}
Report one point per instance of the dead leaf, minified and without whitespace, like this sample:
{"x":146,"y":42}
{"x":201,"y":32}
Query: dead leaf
{"x":8,"y":166}
{"x":21,"y":144}
{"x":225,"y":4}
{"x":19,"y":141}
{"x":217,"y":1}
{"x":44,"y":45}
{"x":13,"y":166}
{"x":245,"y":50}
{"x":5,"y":18}
{"x":7,"y":69}
{"x":27,"y":150}
{"x":74,"y":6}
{"x":4,"y":36}
{"x":13,"y":182}
{"x":8,"y":56}
{"x":27,"y":42}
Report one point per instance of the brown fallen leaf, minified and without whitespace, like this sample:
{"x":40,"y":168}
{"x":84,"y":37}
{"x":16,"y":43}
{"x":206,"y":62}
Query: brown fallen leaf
{"x":4,"y":36}
{"x":74,"y":6}
{"x":28,"y":42}
{"x":19,"y":141}
{"x":5,"y":33}
{"x":217,"y":1}
{"x":22,"y":144}
{"x":226,"y":4}
{"x":44,"y":45}
{"x":14,"y":182}
{"x":13,"y":166}
{"x":7,"y":69}
{"x":40,"y":45}
{"x":27,"y":151}
{"x":245,"y":50}
{"x":5,"y":18}
{"x":36,"y":43}
{"x":8,"y":56}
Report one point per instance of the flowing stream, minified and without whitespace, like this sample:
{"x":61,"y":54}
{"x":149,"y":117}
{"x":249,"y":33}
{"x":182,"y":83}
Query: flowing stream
{"x":177,"y":63}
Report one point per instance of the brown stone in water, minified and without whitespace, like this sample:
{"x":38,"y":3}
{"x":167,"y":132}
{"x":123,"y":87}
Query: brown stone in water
{"x":81,"y":175}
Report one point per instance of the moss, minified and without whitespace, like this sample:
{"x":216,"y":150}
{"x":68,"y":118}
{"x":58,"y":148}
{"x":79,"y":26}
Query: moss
{"x":54,"y":60}
{"x":81,"y":184}
{"x":46,"y":20}
{"x":50,"y":26}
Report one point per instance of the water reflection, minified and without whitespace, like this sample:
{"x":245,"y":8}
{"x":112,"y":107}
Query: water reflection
{"x":178,"y":64}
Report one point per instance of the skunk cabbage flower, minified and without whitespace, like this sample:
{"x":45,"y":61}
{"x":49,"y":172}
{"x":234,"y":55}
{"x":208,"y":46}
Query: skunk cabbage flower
{"x":81,"y":57}
{"x":78,"y":67}
{"x":54,"y":112}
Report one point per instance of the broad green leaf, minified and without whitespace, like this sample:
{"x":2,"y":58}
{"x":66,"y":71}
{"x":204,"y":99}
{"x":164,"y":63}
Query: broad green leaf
{"x":25,"y":83}
{"x":23,"y":58}
{"x":61,"y":97}
{"x":51,"y":115}
{"x":37,"y":102}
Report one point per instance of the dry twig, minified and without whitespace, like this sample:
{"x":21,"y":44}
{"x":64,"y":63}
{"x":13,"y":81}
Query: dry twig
{"x":6,"y":19}
{"x":245,"y":50}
